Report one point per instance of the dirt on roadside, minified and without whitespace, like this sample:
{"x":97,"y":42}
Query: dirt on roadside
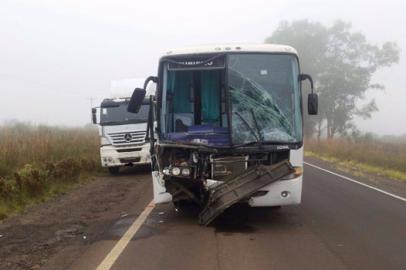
{"x":70,"y":222}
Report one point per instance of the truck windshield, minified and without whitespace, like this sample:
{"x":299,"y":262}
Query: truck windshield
{"x":265,"y":98}
{"x":119,"y":116}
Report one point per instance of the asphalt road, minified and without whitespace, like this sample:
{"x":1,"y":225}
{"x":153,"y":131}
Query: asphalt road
{"x":339,"y":225}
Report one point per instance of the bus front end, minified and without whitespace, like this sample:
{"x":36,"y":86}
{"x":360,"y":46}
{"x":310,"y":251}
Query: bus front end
{"x":229,"y":128}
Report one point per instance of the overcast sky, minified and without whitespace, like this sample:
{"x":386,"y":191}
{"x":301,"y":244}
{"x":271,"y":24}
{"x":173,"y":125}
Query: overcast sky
{"x":56,"y":55}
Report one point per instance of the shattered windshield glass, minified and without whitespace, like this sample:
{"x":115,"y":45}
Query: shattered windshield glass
{"x":265,"y":98}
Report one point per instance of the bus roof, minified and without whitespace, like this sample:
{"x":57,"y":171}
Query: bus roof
{"x":270,"y":48}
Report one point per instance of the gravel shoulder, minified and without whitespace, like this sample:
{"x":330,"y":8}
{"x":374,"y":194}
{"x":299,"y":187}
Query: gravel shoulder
{"x":53,"y":234}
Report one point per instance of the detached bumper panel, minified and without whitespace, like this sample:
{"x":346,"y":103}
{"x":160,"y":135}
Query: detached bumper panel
{"x":242,"y":186}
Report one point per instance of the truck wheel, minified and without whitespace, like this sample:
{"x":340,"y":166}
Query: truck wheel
{"x":114,"y":170}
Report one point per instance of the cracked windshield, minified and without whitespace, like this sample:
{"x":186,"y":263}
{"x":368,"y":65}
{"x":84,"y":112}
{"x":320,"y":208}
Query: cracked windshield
{"x":265,"y":98}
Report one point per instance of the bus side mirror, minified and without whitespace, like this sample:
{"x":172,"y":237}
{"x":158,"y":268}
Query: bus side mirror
{"x":312,"y":98}
{"x":94,"y":118}
{"x":312,"y":104}
{"x":136,"y":100}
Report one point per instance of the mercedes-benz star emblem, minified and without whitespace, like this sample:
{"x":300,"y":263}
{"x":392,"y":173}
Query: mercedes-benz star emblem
{"x":128,"y":137}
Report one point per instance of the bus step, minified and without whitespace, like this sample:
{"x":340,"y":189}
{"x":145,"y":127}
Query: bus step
{"x":242,"y":186}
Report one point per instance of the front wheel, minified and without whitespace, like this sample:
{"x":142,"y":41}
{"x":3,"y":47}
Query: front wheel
{"x":114,"y":170}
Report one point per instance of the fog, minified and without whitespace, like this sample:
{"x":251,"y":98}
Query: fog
{"x":58,"y":57}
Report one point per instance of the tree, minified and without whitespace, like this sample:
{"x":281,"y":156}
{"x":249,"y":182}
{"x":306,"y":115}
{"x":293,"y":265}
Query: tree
{"x":342,"y":64}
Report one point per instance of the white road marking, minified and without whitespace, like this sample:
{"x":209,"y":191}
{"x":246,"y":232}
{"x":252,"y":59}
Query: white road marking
{"x":109,"y":260}
{"x":359,"y":183}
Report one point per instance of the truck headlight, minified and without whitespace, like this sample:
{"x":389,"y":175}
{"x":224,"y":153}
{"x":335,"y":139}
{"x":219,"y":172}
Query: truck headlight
{"x":104,"y":141}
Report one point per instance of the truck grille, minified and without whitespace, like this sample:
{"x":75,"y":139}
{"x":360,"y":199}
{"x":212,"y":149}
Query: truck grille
{"x":124,"y":138}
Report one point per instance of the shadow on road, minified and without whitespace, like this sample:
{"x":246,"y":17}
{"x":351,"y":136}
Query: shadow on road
{"x":241,"y":218}
{"x":136,"y":169}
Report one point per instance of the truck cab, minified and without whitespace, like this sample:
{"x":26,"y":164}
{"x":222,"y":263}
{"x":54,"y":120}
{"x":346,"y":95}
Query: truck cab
{"x":229,"y":127}
{"x":122,"y":133}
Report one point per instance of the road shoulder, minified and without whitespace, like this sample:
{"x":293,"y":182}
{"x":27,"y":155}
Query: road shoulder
{"x":54,"y":234}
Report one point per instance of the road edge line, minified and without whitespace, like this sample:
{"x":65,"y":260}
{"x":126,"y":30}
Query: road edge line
{"x":357,"y":182}
{"x":119,"y":247}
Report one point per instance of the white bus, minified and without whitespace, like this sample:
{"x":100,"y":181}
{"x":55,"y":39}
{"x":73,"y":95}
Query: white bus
{"x":229,"y":127}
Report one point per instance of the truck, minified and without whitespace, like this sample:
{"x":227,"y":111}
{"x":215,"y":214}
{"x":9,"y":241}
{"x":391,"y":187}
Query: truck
{"x":228,"y":127}
{"x":122,"y":133}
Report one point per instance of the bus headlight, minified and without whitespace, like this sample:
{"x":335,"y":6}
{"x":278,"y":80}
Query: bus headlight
{"x":178,"y":171}
{"x":166,"y":171}
{"x":175,"y":171}
{"x":185,"y":172}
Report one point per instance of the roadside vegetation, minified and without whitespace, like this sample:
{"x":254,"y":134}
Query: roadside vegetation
{"x":326,"y":51}
{"x":38,"y":162}
{"x":362,"y":156}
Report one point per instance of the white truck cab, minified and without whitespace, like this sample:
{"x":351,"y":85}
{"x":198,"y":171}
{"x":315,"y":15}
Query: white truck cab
{"x":122,"y":134}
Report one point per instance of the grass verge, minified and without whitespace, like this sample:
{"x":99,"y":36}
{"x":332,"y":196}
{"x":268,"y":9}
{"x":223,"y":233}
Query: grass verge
{"x":39,"y":162}
{"x":362,"y":157}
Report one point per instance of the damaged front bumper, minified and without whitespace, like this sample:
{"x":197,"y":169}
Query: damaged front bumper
{"x":242,"y":186}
